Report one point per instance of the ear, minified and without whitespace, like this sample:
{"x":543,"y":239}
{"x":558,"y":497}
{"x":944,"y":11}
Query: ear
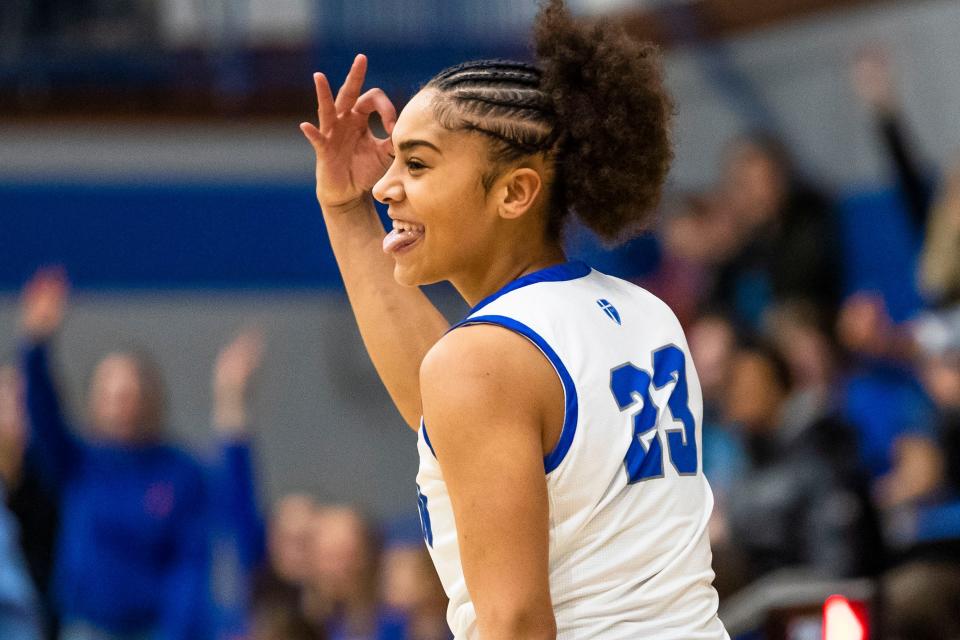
{"x":520,"y":189}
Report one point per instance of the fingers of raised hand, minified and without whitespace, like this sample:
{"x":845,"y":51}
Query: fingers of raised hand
{"x":326,"y":109}
{"x":312,"y":134}
{"x":375,"y":100}
{"x":350,"y":91}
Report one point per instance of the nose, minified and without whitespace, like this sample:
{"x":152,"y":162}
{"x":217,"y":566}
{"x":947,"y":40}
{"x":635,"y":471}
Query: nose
{"x":389,"y":188}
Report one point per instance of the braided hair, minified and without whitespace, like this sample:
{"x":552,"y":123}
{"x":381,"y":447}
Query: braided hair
{"x":594,"y":106}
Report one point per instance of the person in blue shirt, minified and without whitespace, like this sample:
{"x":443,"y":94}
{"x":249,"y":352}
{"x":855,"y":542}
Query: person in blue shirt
{"x":132,"y":558}
{"x":19,"y":604}
{"x":20,"y":610}
{"x":237,"y":529}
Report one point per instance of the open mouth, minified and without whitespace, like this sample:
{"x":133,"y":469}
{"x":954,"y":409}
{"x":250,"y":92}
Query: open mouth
{"x":403,"y":236}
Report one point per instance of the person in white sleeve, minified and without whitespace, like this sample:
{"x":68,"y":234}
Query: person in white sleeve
{"x":561,"y":488}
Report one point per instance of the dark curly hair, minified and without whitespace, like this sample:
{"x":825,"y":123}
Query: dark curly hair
{"x":594,"y":105}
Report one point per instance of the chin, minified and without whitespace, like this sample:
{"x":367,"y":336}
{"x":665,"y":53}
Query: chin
{"x":411,"y":276}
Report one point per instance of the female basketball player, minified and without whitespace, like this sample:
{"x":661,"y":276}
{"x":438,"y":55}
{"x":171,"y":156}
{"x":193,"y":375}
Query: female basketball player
{"x":560,"y":484}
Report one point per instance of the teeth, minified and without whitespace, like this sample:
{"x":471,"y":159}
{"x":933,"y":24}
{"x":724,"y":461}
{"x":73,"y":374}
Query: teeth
{"x":403,"y":226}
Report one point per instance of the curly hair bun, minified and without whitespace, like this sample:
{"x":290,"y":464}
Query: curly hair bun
{"x":614,"y":117}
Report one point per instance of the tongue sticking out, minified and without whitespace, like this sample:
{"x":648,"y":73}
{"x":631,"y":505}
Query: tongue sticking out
{"x":398,"y":239}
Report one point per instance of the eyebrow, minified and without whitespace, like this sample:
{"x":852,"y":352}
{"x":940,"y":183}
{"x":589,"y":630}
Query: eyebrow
{"x":406,"y":145}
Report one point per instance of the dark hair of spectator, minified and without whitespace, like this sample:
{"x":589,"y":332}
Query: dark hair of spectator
{"x":594,"y":106}
{"x":773,"y":357}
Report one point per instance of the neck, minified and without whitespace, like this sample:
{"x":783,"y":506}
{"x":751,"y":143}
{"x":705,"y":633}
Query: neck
{"x":504,"y":269}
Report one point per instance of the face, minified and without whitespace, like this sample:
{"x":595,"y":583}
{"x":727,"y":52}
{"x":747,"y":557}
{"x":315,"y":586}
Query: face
{"x":116,"y":398}
{"x":339,"y":553}
{"x":12,"y":428}
{"x":408,"y":577}
{"x":753,"y":395}
{"x":289,"y":541}
{"x":434,"y":183}
{"x":941,"y":377}
{"x":711,"y":344}
{"x":755,"y":183}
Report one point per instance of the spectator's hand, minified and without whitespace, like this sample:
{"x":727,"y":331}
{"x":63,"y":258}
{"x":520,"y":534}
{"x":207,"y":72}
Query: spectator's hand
{"x":864,"y":325}
{"x":235,"y":366}
{"x":350,"y":159}
{"x":43,"y":303}
{"x":872,"y":77}
{"x":918,"y":471}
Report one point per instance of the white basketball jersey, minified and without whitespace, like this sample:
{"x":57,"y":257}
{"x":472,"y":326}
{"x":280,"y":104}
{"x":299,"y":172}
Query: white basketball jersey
{"x":629,"y":504}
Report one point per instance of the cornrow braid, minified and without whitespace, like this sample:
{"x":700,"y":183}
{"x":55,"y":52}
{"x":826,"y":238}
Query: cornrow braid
{"x":594,"y":105}
{"x":502,"y":100}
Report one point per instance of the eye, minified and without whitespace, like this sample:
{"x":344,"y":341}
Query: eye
{"x":415,"y":166}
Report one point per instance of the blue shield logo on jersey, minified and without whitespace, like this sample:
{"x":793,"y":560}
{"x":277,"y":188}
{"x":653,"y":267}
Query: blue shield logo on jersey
{"x":609,"y":309}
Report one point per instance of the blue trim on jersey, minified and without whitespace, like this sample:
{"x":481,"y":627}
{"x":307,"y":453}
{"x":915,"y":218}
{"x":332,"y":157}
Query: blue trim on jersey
{"x":426,"y":438}
{"x":552,"y":460}
{"x":557,"y":273}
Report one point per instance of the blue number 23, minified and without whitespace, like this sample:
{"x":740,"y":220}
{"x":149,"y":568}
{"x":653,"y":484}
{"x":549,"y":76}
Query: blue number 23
{"x":627,"y":383}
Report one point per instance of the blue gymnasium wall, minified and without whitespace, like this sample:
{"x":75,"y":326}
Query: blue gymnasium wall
{"x":161,"y":236}
{"x":222,"y":236}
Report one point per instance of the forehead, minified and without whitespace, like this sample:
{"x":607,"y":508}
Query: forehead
{"x":417,"y":120}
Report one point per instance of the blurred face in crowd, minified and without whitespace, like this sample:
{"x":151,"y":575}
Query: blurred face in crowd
{"x":806,"y":348}
{"x":755,"y":183}
{"x":409,"y":580}
{"x":116,"y":398}
{"x":289,"y":537}
{"x":341,"y":557}
{"x":712,"y":344}
{"x":755,"y":393}
{"x":126,"y":398}
{"x":13,"y":433}
{"x":941,"y":377}
{"x":11,"y":399}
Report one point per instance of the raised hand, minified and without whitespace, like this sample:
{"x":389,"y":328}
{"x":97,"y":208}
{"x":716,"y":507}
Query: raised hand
{"x":350,"y":159}
{"x":872,"y":78}
{"x":43,"y":303}
{"x":235,"y":366}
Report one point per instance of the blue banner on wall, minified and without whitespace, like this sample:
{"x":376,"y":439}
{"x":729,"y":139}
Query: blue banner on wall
{"x":175,"y":236}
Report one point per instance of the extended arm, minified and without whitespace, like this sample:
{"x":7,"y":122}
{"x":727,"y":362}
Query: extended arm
{"x":489,"y":396}
{"x":398,"y":324}
{"x":56,"y":447}
{"x":234,"y":498}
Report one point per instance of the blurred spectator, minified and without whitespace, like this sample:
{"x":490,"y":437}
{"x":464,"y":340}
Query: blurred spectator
{"x":873,"y":80}
{"x":19,"y":604}
{"x":713,"y":341}
{"x":238,"y":544}
{"x":410,"y":585}
{"x":697,"y":235}
{"x":131,"y":556}
{"x":881,"y":396}
{"x":28,"y":501}
{"x":344,"y":582}
{"x":278,"y":601}
{"x":940,"y":260}
{"x":923,"y":590}
{"x":20,"y":613}
{"x":803,"y":501}
{"x":788,"y":245}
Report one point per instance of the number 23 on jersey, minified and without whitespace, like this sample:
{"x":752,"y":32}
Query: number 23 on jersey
{"x":630,"y":385}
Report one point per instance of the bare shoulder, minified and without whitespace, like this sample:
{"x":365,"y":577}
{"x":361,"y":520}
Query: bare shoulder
{"x":491,"y":376}
{"x":483,"y":352}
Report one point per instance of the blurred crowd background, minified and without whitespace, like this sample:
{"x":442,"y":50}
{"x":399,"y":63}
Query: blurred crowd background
{"x":193,"y":444}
